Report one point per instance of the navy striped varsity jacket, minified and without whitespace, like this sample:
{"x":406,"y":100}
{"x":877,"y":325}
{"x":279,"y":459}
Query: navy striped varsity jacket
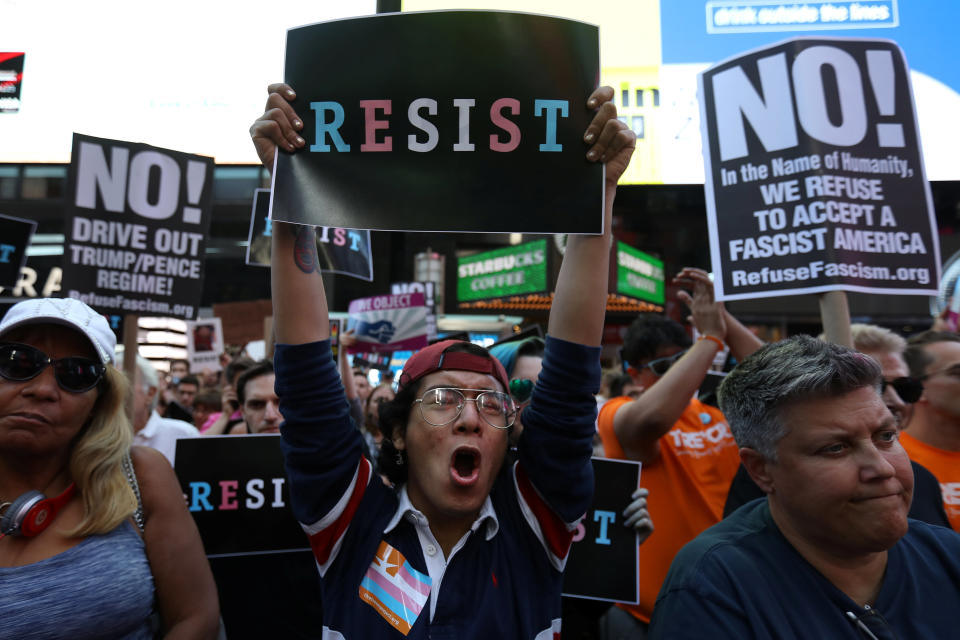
{"x":376,"y":584}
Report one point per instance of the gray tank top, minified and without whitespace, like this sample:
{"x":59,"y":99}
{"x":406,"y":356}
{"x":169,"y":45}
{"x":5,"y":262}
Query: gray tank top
{"x":101,"y":588}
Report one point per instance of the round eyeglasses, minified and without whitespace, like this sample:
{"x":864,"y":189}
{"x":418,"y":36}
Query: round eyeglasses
{"x":443,"y":405}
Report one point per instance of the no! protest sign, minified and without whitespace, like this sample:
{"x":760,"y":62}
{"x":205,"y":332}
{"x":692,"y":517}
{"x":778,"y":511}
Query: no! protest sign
{"x":137,"y":222}
{"x":815,"y":179}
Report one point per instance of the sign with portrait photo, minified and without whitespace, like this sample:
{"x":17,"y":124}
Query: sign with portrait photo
{"x":204,"y":344}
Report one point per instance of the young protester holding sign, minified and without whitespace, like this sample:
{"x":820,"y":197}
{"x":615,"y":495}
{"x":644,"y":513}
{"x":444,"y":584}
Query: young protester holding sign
{"x":466,"y":548}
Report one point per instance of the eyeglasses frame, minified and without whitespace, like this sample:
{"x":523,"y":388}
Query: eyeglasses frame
{"x":511,"y":416}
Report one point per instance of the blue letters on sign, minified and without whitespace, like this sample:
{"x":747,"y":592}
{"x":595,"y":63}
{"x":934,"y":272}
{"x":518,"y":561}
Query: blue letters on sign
{"x":604,"y":518}
{"x":5,"y":251}
{"x":551,"y":107}
{"x":199,"y":493}
{"x":323,"y":128}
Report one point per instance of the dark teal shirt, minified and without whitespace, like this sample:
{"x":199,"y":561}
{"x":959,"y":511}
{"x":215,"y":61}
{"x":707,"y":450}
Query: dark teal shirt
{"x":741,"y":579}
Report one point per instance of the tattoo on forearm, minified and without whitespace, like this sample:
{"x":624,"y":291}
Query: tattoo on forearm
{"x":305,"y":249}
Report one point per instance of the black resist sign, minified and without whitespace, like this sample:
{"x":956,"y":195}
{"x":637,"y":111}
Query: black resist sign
{"x":603,"y":558}
{"x":344,"y":251}
{"x":137,"y":227}
{"x":236,"y":491}
{"x":442,"y":121}
{"x":15,"y":236}
{"x":814,"y":175}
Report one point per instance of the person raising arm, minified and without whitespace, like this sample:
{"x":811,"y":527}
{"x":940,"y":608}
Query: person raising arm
{"x":466,"y":546}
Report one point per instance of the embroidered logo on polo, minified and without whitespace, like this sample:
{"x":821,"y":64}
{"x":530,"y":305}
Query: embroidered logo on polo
{"x":397,"y":591}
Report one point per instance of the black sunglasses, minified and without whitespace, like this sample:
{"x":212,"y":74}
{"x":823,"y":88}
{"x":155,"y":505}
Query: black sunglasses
{"x":909,"y":389}
{"x":21,"y":362}
{"x":661,"y":365}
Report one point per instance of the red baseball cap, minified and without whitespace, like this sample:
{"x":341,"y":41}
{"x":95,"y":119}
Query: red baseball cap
{"x":436,"y":358}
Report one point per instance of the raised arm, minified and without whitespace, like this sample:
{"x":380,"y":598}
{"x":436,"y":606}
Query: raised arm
{"x":639,"y":425}
{"x":580,"y":303}
{"x":322,"y":448}
{"x":299,"y":303}
{"x":559,"y":423}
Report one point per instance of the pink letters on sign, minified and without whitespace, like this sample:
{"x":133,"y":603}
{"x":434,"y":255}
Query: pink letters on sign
{"x":228,"y":494}
{"x":497,"y":118}
{"x":372,"y":125}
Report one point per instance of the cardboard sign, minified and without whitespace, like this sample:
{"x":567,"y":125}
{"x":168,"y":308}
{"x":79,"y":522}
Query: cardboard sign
{"x":15,"y":234}
{"x":603,"y":559}
{"x":11,"y":80}
{"x":509,"y":271}
{"x":428,"y":130}
{"x":345,"y":251}
{"x":639,"y":275}
{"x":204,"y":344}
{"x":384,"y":324}
{"x":137,"y":222}
{"x":815,"y":180}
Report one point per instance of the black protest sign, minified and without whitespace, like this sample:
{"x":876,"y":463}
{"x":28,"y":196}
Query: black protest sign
{"x":603,"y":559}
{"x":442,"y":121}
{"x":814,"y":176}
{"x":137,"y":221}
{"x":345,"y":251}
{"x":15,"y":234}
{"x":236,"y":490}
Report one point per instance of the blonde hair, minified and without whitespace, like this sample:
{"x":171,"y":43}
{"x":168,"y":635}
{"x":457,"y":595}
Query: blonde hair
{"x":97,"y":457}
{"x":870,"y":337}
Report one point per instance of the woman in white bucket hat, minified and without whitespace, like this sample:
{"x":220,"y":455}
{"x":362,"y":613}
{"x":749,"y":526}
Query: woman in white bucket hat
{"x":95,"y":538}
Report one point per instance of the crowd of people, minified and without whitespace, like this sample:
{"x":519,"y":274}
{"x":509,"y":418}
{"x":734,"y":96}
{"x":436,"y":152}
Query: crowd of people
{"x":816,"y":497}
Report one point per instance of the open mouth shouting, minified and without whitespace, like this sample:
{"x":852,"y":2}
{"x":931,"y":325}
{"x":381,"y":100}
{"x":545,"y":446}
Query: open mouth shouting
{"x":465,"y":466}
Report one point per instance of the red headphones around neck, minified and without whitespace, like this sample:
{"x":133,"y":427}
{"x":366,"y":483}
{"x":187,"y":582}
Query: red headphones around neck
{"x":33,"y":512}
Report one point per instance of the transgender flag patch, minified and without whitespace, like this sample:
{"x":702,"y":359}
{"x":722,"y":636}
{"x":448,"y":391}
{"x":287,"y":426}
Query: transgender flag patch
{"x":395,"y":589}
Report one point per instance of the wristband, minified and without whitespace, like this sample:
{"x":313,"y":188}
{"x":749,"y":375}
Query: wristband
{"x":718,"y":341}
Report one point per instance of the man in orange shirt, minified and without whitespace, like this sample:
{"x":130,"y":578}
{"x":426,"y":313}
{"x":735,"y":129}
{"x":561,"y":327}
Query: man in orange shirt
{"x":688,"y":453}
{"x":933,"y":438}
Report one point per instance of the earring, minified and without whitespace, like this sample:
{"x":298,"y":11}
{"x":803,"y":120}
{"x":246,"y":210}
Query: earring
{"x":399,"y":459}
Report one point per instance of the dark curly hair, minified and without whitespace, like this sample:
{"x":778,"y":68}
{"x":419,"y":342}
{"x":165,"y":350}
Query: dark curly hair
{"x":648,"y":334}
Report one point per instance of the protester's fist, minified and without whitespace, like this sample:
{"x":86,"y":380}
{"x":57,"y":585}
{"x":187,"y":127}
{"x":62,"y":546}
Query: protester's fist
{"x":636,"y":515}
{"x":348,"y":338}
{"x":610,"y":140}
{"x":278,"y":126}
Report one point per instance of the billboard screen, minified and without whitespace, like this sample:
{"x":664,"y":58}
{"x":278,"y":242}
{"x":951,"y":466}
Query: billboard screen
{"x":652,"y":50}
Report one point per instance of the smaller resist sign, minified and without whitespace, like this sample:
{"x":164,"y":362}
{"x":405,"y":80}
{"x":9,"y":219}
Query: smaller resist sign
{"x":503,"y":272}
{"x":639,"y":275}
